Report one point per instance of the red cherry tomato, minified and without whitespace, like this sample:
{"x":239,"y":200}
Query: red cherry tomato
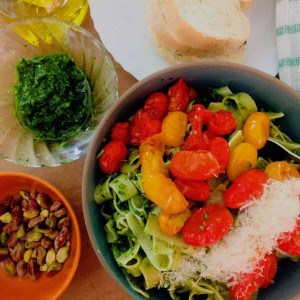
{"x":220,"y":149}
{"x":143,"y":126}
{"x":120,"y":131}
{"x":261,"y":276}
{"x":289,"y":242}
{"x":194,"y":190}
{"x":196,"y":141}
{"x":112,"y":157}
{"x":199,"y":116}
{"x":269,"y":269}
{"x":179,"y":95}
{"x":221,"y":122}
{"x":157,"y":105}
{"x":248,"y":185}
{"x":194,"y":165}
{"x":207,"y":225}
{"x":193,"y":94}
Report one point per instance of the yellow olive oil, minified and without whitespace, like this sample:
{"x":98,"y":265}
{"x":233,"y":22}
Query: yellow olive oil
{"x":68,"y":10}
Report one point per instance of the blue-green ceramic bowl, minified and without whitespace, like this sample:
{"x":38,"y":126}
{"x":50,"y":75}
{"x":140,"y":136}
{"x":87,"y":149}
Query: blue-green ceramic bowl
{"x":268,"y":92}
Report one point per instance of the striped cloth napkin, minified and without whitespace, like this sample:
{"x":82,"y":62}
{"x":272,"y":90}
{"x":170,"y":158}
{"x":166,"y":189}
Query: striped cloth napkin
{"x":288,"y":41}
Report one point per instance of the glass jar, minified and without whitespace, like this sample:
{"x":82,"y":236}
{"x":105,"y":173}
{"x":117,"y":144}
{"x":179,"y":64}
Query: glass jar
{"x":68,"y":10}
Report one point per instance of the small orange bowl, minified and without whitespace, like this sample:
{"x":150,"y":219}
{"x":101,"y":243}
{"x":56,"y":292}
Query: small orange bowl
{"x":45,"y":287}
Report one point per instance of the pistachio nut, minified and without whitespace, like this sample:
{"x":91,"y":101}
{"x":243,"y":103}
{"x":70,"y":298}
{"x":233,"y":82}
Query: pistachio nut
{"x":21,"y":268}
{"x":9,"y":266}
{"x":6,"y":218}
{"x":62,"y":254}
{"x":50,"y":257}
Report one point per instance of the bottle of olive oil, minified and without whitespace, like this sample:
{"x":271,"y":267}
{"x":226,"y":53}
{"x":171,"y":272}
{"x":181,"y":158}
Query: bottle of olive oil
{"x":69,"y":10}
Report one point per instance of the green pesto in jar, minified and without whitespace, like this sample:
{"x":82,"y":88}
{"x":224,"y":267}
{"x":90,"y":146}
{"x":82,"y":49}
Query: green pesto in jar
{"x":52,"y":96}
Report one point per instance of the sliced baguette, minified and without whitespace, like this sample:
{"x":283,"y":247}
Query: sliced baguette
{"x":207,"y":24}
{"x":174,"y":57}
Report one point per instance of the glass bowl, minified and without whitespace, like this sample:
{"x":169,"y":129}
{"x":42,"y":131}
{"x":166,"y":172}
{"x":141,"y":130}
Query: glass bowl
{"x":68,"y":10}
{"x":31,"y":37}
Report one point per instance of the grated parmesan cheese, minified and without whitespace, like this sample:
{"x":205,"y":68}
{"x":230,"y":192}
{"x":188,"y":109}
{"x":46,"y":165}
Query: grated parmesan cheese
{"x":254,"y":234}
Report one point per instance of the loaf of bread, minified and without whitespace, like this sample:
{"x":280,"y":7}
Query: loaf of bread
{"x":191,"y":30}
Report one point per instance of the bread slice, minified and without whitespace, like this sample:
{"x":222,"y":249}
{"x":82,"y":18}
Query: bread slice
{"x":174,"y":57}
{"x":207,"y":24}
{"x":158,"y":28}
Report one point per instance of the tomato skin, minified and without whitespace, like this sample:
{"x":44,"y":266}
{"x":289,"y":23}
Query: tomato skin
{"x":194,"y":165}
{"x":113,"y":156}
{"x":207,"y":225}
{"x":157,"y":105}
{"x":199,"y":116}
{"x":281,"y":170}
{"x":256,"y":129}
{"x":269,"y":269}
{"x":142,"y":127}
{"x":120,"y":131}
{"x":195,"y":141}
{"x":179,"y":95}
{"x":242,"y":158}
{"x":157,"y":186}
{"x":262,"y":276}
{"x":174,"y":127}
{"x":248,"y":185}
{"x":172,"y":224}
{"x":221,"y":122}
{"x":220,"y":149}
{"x":194,"y":190}
{"x":193,"y":93}
{"x":289,"y":242}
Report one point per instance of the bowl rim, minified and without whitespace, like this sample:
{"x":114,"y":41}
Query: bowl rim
{"x":72,"y":215}
{"x":90,"y":159}
{"x":76,"y":155}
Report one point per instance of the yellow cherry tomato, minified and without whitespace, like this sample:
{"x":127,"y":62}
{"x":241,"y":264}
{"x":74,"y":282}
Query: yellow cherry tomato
{"x":242,"y":158}
{"x":281,"y":170}
{"x":256,"y":129}
{"x":157,"y":186}
{"x":163,"y":192}
{"x":174,"y":128}
{"x":172,"y":224}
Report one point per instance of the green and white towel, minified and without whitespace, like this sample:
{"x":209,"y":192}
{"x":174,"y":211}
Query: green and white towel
{"x":288,"y":41}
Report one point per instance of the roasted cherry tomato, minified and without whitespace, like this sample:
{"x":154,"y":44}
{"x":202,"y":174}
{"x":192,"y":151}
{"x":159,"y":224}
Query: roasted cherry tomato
{"x":261,"y":276}
{"x":172,"y":224}
{"x":196,"y":141}
{"x":157,"y":105}
{"x":174,"y":128}
{"x":194,"y":165}
{"x":256,"y":129}
{"x":207,"y":225}
{"x":199,"y":116}
{"x":179,"y":95}
{"x":194,"y":190}
{"x":269,"y":270}
{"x":221,"y":122}
{"x":193,"y":94}
{"x":142,"y":127}
{"x":242,"y":158}
{"x":112,"y":157}
{"x":247,"y":186}
{"x":120,"y":131}
{"x":281,"y":170}
{"x":220,"y":149}
{"x":289,"y":242}
{"x":157,"y":186}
